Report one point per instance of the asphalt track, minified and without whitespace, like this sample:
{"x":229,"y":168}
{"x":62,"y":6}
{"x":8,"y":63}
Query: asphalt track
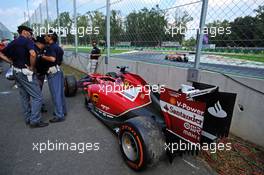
{"x":16,"y":143}
{"x":158,"y":58}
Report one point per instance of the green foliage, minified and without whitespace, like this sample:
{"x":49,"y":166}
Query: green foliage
{"x":245,"y":31}
{"x":146,"y":28}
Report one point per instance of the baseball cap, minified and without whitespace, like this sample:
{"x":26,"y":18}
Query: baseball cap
{"x":53,"y":35}
{"x":21,"y":28}
{"x":40,"y":39}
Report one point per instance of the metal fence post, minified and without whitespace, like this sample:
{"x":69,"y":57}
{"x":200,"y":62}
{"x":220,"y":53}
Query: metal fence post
{"x":58,"y":21}
{"x":107,"y":32}
{"x":75,"y":27}
{"x":200,"y":34}
{"x":47,"y":11}
{"x":29,"y":23}
{"x":40,"y":14}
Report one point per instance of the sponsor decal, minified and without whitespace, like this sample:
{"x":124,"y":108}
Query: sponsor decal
{"x":183,"y":114}
{"x":105,"y":114}
{"x":173,"y":100}
{"x":104,"y":107}
{"x":95,"y":98}
{"x":202,"y":118}
{"x":175,"y":94}
{"x":218,"y":116}
{"x":217,"y":111}
{"x":186,"y":123}
{"x":186,"y":117}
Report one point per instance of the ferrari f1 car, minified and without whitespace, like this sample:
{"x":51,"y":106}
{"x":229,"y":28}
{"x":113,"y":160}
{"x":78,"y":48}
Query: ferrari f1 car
{"x":146,"y":119}
{"x":178,"y":57}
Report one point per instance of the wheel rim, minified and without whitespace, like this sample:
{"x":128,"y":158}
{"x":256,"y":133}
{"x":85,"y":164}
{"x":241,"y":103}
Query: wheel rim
{"x":129,"y":146}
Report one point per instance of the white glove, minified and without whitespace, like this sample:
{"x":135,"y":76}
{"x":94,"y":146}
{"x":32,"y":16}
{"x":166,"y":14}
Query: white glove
{"x":28,"y":73}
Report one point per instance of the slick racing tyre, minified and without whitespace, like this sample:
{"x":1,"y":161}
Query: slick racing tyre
{"x":70,"y":85}
{"x":141,"y":142}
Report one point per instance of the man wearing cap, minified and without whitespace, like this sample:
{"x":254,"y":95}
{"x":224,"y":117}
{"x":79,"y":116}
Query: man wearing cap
{"x":20,"y":52}
{"x":95,"y":54}
{"x":41,"y":67}
{"x":53,"y":56}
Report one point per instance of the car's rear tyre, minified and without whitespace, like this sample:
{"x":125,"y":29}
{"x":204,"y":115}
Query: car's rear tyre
{"x":70,"y":85}
{"x":141,"y":142}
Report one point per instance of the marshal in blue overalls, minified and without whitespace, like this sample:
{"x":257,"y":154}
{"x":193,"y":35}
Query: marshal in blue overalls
{"x":55,"y":77}
{"x":21,"y":51}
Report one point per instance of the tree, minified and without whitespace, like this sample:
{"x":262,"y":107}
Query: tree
{"x":260,"y":26}
{"x":191,"y":42}
{"x":179,"y":22}
{"x":222,"y":38}
{"x":65,"y":23}
{"x":97,"y":20}
{"x":145,"y":27}
{"x":83,"y":27}
{"x":245,"y":31}
{"x":116,"y":27}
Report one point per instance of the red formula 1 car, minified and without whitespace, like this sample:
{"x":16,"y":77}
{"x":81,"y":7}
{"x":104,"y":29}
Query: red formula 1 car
{"x":150,"y":120}
{"x":178,"y":57}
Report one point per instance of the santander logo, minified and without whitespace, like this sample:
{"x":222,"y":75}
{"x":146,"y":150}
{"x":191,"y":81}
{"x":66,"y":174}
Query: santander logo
{"x":217,"y":111}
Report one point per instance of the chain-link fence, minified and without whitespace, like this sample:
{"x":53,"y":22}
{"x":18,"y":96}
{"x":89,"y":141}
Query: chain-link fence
{"x":162,"y":31}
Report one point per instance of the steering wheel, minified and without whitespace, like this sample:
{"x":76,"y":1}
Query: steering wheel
{"x":122,"y":68}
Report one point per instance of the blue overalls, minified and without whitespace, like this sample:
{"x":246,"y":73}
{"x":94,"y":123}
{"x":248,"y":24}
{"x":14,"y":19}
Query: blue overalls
{"x":30,"y":93}
{"x":56,"y":81}
{"x":40,"y":66}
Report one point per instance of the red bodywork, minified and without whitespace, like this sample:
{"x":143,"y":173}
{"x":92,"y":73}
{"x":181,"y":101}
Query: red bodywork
{"x":180,"y":57}
{"x":182,"y":117}
{"x":114,"y":96}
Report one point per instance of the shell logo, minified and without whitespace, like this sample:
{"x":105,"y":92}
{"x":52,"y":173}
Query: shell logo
{"x":173,"y":101}
{"x":95,"y":98}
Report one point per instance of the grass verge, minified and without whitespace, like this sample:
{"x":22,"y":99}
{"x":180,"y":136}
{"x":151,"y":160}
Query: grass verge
{"x":70,"y":70}
{"x":249,"y":57}
{"x":243,"y":158}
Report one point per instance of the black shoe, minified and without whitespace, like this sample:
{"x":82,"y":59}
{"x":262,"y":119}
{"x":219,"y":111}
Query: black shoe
{"x":54,"y":120}
{"x":39,"y":125}
{"x":65,"y":114}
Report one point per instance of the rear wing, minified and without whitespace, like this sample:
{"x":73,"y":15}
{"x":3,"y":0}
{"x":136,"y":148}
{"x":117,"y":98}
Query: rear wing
{"x":197,"y":113}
